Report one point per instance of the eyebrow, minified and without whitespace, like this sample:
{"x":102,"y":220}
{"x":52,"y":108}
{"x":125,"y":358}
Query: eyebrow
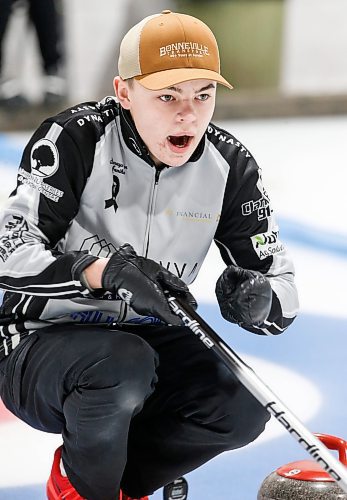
{"x":207,"y":87}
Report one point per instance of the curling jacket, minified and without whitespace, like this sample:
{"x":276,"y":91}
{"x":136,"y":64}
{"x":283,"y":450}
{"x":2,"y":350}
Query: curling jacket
{"x":86,"y":184}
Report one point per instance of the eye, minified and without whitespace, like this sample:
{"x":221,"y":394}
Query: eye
{"x":166,"y":98}
{"x":203,"y":97}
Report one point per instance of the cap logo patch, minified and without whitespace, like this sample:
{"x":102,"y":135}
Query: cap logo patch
{"x":184,"y":49}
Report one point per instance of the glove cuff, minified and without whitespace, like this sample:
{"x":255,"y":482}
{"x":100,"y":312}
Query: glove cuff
{"x":82,"y":261}
{"x":85,"y":282}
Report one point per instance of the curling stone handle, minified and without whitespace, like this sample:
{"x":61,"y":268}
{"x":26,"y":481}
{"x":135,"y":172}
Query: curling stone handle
{"x":335,"y":443}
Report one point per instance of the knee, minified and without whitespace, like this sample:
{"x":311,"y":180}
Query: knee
{"x":246,"y":420}
{"x":124,"y":368}
{"x":214,"y":396}
{"x":254,"y":418}
{"x":227,"y":408}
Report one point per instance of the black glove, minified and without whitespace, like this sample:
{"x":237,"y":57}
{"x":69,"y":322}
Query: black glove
{"x":141,"y":282}
{"x":244,"y":296}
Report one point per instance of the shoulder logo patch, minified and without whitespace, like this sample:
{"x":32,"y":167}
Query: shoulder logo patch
{"x":44,"y":158}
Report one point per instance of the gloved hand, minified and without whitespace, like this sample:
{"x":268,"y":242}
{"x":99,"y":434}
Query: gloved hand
{"x":141,"y":282}
{"x":244,"y":296}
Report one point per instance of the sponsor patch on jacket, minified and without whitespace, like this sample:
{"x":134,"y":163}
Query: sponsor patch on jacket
{"x":44,"y":162}
{"x":16,"y":228}
{"x":266,"y":244}
{"x":36,"y":182}
{"x":44,"y":158}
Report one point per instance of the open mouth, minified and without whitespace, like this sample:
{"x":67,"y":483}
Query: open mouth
{"x":180,"y":141}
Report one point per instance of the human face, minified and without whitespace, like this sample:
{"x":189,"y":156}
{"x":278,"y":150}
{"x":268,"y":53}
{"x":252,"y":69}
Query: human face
{"x":172,"y":121}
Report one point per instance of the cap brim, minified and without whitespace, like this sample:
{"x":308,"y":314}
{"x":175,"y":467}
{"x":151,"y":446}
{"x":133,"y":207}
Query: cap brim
{"x":167,"y":78}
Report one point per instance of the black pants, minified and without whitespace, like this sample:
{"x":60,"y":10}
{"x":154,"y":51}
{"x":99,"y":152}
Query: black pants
{"x":126,"y":420}
{"x":46,"y":19}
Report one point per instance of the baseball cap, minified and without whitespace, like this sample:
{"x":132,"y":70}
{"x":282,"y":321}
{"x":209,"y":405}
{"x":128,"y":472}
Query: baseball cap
{"x":168,"y":48}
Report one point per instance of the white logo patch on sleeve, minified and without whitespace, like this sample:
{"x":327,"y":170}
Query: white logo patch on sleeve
{"x":266,"y":244}
{"x":44,"y":158}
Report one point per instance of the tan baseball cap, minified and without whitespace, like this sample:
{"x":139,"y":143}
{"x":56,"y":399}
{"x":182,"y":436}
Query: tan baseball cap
{"x":169,"y":48}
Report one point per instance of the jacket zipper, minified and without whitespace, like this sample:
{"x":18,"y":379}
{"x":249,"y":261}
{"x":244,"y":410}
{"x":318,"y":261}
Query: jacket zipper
{"x":151,"y":211}
{"x":124,"y":307}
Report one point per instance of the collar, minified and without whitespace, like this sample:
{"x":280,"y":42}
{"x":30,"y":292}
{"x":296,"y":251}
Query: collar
{"x":135,"y":143}
{"x":131,"y":136}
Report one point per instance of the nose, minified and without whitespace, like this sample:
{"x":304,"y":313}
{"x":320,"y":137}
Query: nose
{"x":186,"y":112}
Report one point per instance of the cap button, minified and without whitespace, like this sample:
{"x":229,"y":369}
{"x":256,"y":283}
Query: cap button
{"x":166,"y":11}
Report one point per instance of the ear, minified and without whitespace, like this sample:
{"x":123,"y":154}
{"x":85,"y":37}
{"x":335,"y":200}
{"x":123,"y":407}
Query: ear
{"x":121,"y":89}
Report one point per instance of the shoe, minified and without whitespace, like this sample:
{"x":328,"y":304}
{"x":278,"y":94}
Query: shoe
{"x":123,"y":496}
{"x":11,"y":98}
{"x":54,"y":90}
{"x":59,"y":486}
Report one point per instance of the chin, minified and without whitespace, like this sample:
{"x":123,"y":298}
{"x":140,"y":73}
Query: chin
{"x":171,"y":162}
{"x":178,"y":162}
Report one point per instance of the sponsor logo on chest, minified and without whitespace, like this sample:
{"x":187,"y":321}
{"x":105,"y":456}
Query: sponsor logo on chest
{"x":193,"y":215}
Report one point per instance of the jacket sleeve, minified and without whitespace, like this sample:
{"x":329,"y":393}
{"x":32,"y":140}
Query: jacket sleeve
{"x":51,"y":178}
{"x":248,"y":236}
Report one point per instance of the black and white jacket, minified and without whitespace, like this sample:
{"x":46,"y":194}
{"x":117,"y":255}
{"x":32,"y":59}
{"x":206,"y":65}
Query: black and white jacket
{"x":86,"y":184}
